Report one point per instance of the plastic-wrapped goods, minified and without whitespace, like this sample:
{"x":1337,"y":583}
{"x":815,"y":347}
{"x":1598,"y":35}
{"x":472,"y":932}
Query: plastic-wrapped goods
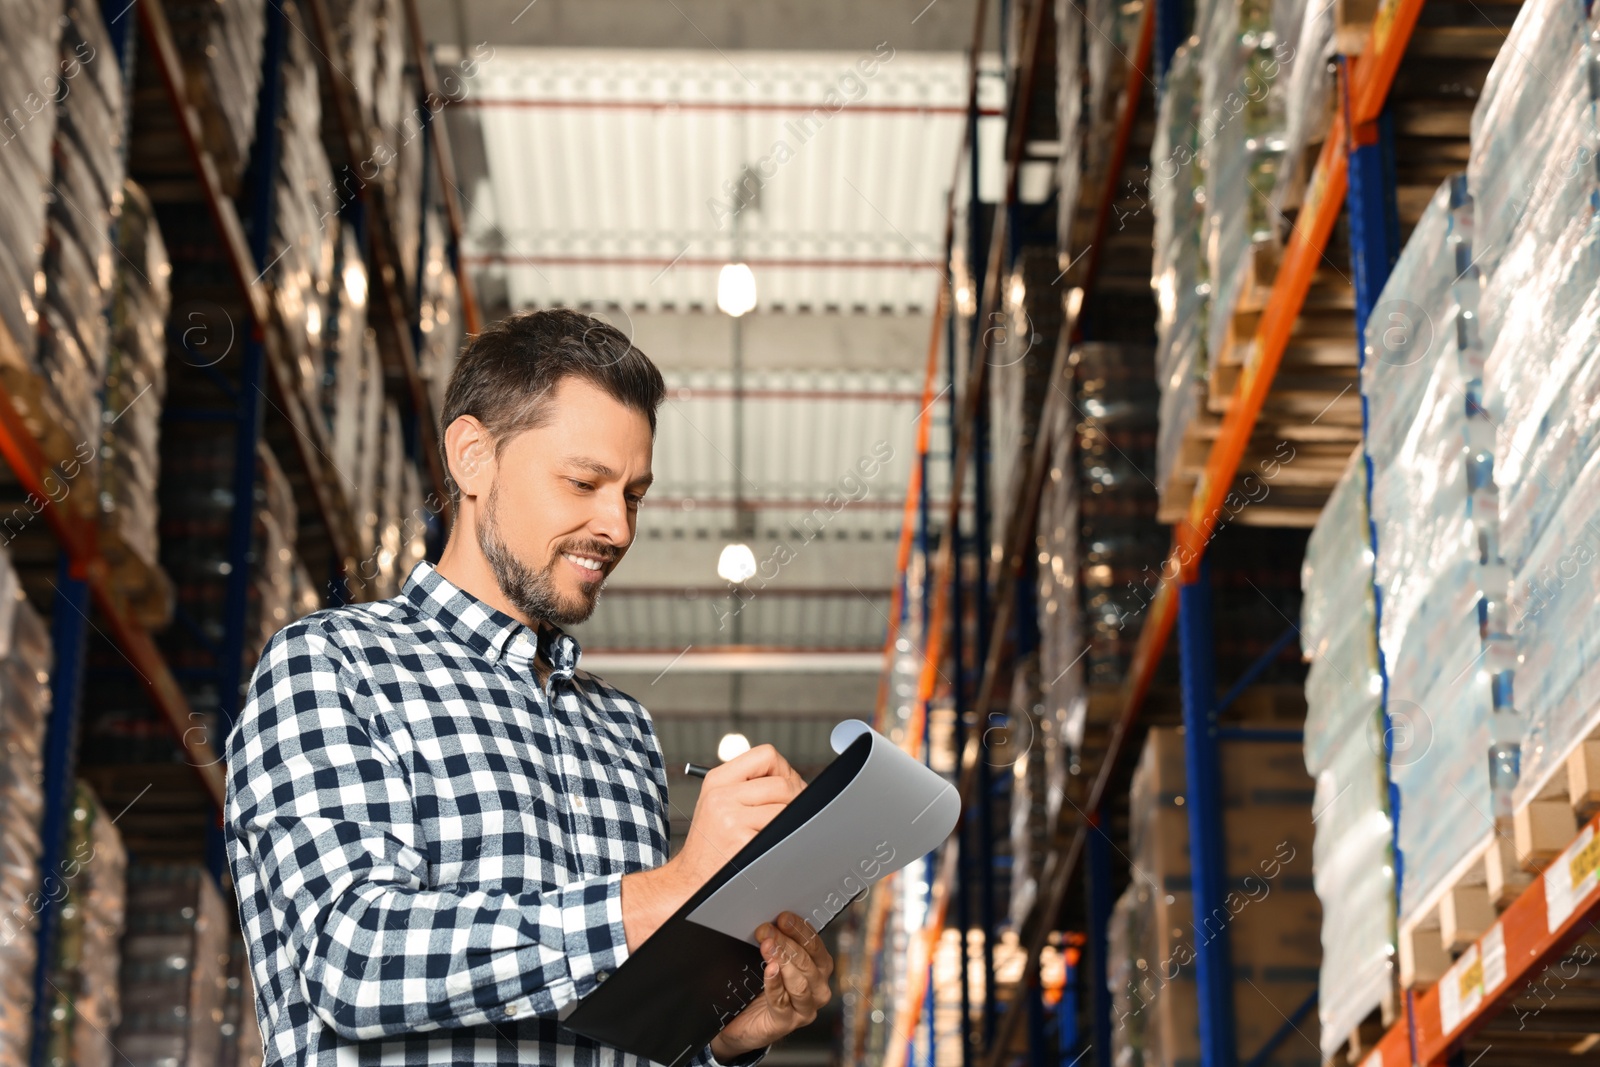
{"x":25,"y":662}
{"x":372,"y":50}
{"x":1525,"y":142}
{"x":1224,"y":162}
{"x":1534,"y":138}
{"x":391,"y":506}
{"x":1070,"y":118}
{"x":88,"y":1003}
{"x":1119,"y":537}
{"x":1031,"y":821}
{"x":442,"y":322}
{"x":1178,"y":272}
{"x":1305,"y":88}
{"x":196,"y":513}
{"x":35,"y":76}
{"x":305,"y":230}
{"x":135,"y":391}
{"x":87,"y":180}
{"x":369,"y":449}
{"x":1272,"y":916}
{"x":1353,"y":860}
{"x":174,"y":968}
{"x":1064,"y":688}
{"x":1021,"y":357}
{"x":1240,"y":145}
{"x":403,"y":178}
{"x":1434,"y":524}
{"x":277,"y":524}
{"x":221,"y":43}
{"x":1126,"y":962}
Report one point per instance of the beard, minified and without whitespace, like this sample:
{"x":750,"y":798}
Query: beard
{"x":534,"y":592}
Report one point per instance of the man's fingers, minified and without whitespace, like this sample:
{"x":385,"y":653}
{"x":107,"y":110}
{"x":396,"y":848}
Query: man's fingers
{"x":793,"y":964}
{"x":808,"y":939}
{"x":758,"y":791}
{"x":758,"y":762}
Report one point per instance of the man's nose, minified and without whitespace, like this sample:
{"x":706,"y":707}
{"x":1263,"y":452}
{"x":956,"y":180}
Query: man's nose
{"x":611,"y":520}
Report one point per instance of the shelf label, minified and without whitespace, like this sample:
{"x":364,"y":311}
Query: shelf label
{"x":1571,"y":878}
{"x":1493,"y":951}
{"x":1461,"y":989}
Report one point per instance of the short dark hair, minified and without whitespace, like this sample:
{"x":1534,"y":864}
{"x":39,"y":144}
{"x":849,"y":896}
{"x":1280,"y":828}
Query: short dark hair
{"x":506,"y":373}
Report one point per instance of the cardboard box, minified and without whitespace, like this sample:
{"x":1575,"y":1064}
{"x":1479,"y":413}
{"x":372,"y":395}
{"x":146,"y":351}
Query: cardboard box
{"x":1254,"y":773}
{"x":1275,"y":935}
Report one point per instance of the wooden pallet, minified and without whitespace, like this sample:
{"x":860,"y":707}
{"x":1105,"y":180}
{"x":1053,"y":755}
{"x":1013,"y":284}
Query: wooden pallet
{"x":1502,"y":865}
{"x":1364,"y":1038}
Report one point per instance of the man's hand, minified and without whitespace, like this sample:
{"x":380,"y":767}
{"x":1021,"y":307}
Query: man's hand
{"x":795,"y":986}
{"x":737,"y":799}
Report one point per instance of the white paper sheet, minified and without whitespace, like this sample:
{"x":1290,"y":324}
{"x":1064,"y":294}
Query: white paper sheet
{"x":895,"y":810}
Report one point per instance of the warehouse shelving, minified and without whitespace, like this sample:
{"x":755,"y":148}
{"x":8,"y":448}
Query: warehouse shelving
{"x":398,"y":312}
{"x":86,"y":580}
{"x":1347,"y":157}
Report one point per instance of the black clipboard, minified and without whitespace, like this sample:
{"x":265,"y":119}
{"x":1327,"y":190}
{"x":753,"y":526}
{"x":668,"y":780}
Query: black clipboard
{"x":686,"y":982}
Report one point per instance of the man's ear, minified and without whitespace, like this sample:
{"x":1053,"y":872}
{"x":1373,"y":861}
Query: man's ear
{"x":470,"y":452}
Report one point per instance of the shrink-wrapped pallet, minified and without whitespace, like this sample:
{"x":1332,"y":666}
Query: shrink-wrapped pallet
{"x":1353,"y":860}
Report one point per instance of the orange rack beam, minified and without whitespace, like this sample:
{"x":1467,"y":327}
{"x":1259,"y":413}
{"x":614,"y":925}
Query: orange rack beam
{"x":77,"y":538}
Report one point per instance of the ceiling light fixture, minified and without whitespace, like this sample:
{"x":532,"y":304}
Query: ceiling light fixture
{"x":732,"y":746}
{"x":736,"y":289}
{"x":736,"y":564}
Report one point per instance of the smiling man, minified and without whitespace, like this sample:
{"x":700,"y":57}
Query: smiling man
{"x":443,"y":834}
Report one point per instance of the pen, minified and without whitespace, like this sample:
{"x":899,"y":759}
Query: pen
{"x":696,"y":770}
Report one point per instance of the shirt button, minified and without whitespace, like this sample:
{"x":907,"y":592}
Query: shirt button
{"x":601,"y":976}
{"x":511,"y":1009}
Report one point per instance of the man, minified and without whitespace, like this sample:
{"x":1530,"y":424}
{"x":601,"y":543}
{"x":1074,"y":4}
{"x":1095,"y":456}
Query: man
{"x":443,"y":834}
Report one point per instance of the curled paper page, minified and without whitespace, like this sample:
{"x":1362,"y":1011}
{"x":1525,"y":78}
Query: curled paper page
{"x":893,"y":810}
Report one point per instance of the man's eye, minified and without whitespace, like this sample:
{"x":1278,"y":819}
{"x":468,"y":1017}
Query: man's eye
{"x":580,"y":485}
{"x":635,"y":500}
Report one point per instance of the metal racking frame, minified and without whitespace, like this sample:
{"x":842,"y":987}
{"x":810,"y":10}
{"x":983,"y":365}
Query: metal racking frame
{"x":84,"y":579}
{"x":1354,"y":173}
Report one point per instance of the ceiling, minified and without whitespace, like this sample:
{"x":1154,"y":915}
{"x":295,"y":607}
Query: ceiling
{"x":613,"y":155}
{"x":630,"y":177}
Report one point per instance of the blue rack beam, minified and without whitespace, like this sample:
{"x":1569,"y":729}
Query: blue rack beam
{"x":69,"y":632}
{"x":1098,"y":868}
{"x":1207,"y":854}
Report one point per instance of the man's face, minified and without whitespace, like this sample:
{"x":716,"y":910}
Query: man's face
{"x":563,"y":508}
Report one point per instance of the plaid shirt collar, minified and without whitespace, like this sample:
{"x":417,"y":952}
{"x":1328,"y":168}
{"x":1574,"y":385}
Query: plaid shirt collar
{"x":483,"y":626}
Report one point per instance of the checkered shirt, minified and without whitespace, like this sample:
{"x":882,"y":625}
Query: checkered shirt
{"x":427,"y":847}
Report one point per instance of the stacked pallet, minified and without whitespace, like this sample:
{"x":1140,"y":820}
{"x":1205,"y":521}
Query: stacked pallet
{"x":442,"y":324}
{"x":25,"y":662}
{"x":31,"y":49}
{"x":1270,"y":914}
{"x":1217,"y":242}
{"x":174,"y":968}
{"x":305,"y":229}
{"x":135,"y":392}
{"x":77,"y":267}
{"x":1344,"y":752}
{"x":1497,"y":289}
{"x":221,"y":45}
{"x":87,"y":1004}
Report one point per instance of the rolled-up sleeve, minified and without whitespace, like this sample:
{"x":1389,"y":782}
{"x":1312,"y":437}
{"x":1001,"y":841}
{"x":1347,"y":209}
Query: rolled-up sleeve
{"x":320,"y":818}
